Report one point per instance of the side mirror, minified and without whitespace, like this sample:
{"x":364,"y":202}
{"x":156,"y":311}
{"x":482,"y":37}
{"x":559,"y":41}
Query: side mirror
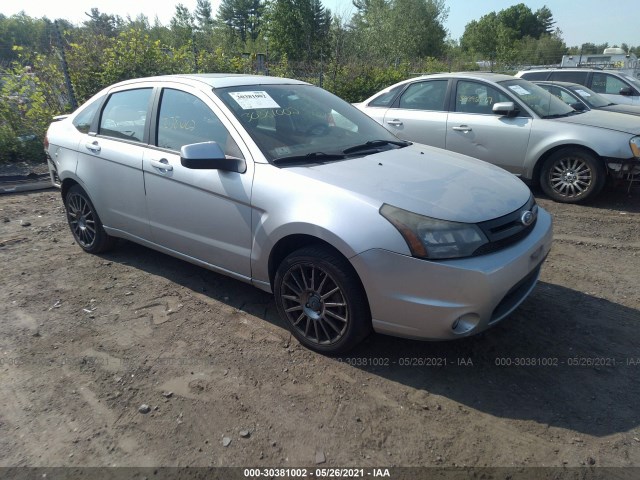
{"x":579,"y":106}
{"x":209,"y":156}
{"x":626,"y":91}
{"x":504,"y":108}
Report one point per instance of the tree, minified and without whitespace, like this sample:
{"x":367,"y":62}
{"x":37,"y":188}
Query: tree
{"x":242,"y":18}
{"x":399,"y":29}
{"x":300,"y":28}
{"x":182,"y":26}
{"x":102,"y":23}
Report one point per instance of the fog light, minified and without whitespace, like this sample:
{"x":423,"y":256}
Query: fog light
{"x":465,"y":324}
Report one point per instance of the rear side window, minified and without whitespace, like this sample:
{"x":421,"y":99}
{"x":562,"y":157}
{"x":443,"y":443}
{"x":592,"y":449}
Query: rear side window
{"x":605,"y":83}
{"x":125,"y":114}
{"x":184,"y":119}
{"x":573,"y":77}
{"x":425,"y":95}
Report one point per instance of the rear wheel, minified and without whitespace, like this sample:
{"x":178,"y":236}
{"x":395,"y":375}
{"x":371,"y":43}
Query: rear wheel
{"x":320,"y":296}
{"x":84,"y":222}
{"x":572,"y":175}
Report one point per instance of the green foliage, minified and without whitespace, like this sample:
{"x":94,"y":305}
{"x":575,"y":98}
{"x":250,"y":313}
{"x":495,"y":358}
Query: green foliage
{"x":515,"y":34}
{"x":405,"y":30}
{"x":30,"y":98}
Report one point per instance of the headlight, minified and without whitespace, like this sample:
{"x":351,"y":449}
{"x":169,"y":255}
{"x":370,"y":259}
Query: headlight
{"x":634,"y":143}
{"x":432,"y":238}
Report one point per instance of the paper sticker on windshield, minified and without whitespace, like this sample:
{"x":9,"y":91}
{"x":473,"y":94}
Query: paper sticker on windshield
{"x":254,"y":100}
{"x":519,"y":90}
{"x":582,"y":93}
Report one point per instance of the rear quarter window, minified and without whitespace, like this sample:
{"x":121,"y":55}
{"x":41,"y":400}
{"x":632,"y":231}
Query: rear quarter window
{"x":84,"y":119}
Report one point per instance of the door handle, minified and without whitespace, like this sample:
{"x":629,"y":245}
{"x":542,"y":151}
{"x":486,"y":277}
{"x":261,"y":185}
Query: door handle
{"x":395,"y":123}
{"x":462,"y":128}
{"x":93,"y":146}
{"x":162,"y":165}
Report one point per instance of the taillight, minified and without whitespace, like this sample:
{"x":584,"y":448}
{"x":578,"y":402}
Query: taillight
{"x":46,"y":143}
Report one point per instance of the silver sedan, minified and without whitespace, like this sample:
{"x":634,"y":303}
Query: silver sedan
{"x":281,"y":184}
{"x":516,"y":125}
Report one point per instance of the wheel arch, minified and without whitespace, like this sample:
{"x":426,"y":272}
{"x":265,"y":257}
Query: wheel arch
{"x":535,"y":176}
{"x":67,"y":183}
{"x":289,"y":244}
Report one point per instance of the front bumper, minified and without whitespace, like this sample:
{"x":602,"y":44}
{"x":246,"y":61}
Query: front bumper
{"x":440,"y":300}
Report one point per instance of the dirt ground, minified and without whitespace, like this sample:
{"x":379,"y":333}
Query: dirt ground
{"x":86,"y":340}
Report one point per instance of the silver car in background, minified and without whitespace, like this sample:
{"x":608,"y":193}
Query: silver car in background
{"x":283,"y":185}
{"x":580,"y":97}
{"x":516,"y":125}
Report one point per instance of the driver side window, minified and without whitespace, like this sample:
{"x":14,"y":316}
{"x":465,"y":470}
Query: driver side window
{"x":184,"y":119}
{"x":474,"y":97}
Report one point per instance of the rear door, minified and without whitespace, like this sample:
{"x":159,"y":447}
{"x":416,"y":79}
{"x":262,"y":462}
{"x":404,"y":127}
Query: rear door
{"x":110,"y":161}
{"x":473,"y":129}
{"x":204,"y":214}
{"x":419,"y":114}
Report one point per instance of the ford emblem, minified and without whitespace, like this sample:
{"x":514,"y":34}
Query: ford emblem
{"x":527,"y":218}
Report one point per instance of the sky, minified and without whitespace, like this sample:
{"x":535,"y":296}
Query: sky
{"x":581,"y":21}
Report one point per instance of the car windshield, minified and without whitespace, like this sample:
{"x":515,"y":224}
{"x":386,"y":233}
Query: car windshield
{"x":593,"y":99}
{"x":305,"y":122}
{"x":538,"y":99}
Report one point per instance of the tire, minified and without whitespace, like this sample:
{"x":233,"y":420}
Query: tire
{"x":84,"y":222}
{"x":572,"y":175}
{"x":322,"y":300}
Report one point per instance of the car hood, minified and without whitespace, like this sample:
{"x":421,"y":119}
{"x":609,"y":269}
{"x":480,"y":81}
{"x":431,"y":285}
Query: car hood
{"x":428,"y":181}
{"x":602,"y":119}
{"x":628,"y":109}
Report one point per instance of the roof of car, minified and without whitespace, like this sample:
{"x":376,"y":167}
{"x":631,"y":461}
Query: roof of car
{"x":494,"y":77}
{"x":568,"y":69}
{"x":218,"y":80}
{"x":559,"y":84}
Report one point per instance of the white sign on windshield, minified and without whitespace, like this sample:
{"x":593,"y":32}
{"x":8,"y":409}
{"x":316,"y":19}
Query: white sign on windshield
{"x":582,"y":93}
{"x":519,"y":90}
{"x":253,"y":100}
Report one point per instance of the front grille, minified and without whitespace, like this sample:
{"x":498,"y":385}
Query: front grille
{"x":505,"y":231}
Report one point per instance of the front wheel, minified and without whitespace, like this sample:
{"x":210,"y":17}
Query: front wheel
{"x":572,"y":175}
{"x":322,"y":300}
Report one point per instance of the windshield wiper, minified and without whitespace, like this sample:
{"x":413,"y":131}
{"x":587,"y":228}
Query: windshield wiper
{"x":557,"y":115}
{"x":375,"y":143}
{"x":313,"y":157}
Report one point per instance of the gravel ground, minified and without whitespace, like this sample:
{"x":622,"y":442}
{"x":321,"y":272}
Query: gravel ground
{"x":134,"y":358}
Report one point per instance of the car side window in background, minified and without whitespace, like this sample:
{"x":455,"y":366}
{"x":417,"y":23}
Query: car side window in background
{"x":425,"y":95}
{"x":573,"y":77}
{"x":535,"y":75}
{"x":125,"y":114}
{"x":385,"y":99}
{"x":83,"y":121}
{"x":605,"y":83}
{"x":473,"y":97}
{"x":184,"y":119}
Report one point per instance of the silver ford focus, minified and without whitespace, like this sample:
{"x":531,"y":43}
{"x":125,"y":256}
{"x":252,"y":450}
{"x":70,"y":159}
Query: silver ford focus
{"x":283,"y":185}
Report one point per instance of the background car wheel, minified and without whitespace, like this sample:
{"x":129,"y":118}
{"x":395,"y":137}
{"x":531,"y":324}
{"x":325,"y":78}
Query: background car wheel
{"x":320,"y":296}
{"x":84,"y":222}
{"x":572,"y":175}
